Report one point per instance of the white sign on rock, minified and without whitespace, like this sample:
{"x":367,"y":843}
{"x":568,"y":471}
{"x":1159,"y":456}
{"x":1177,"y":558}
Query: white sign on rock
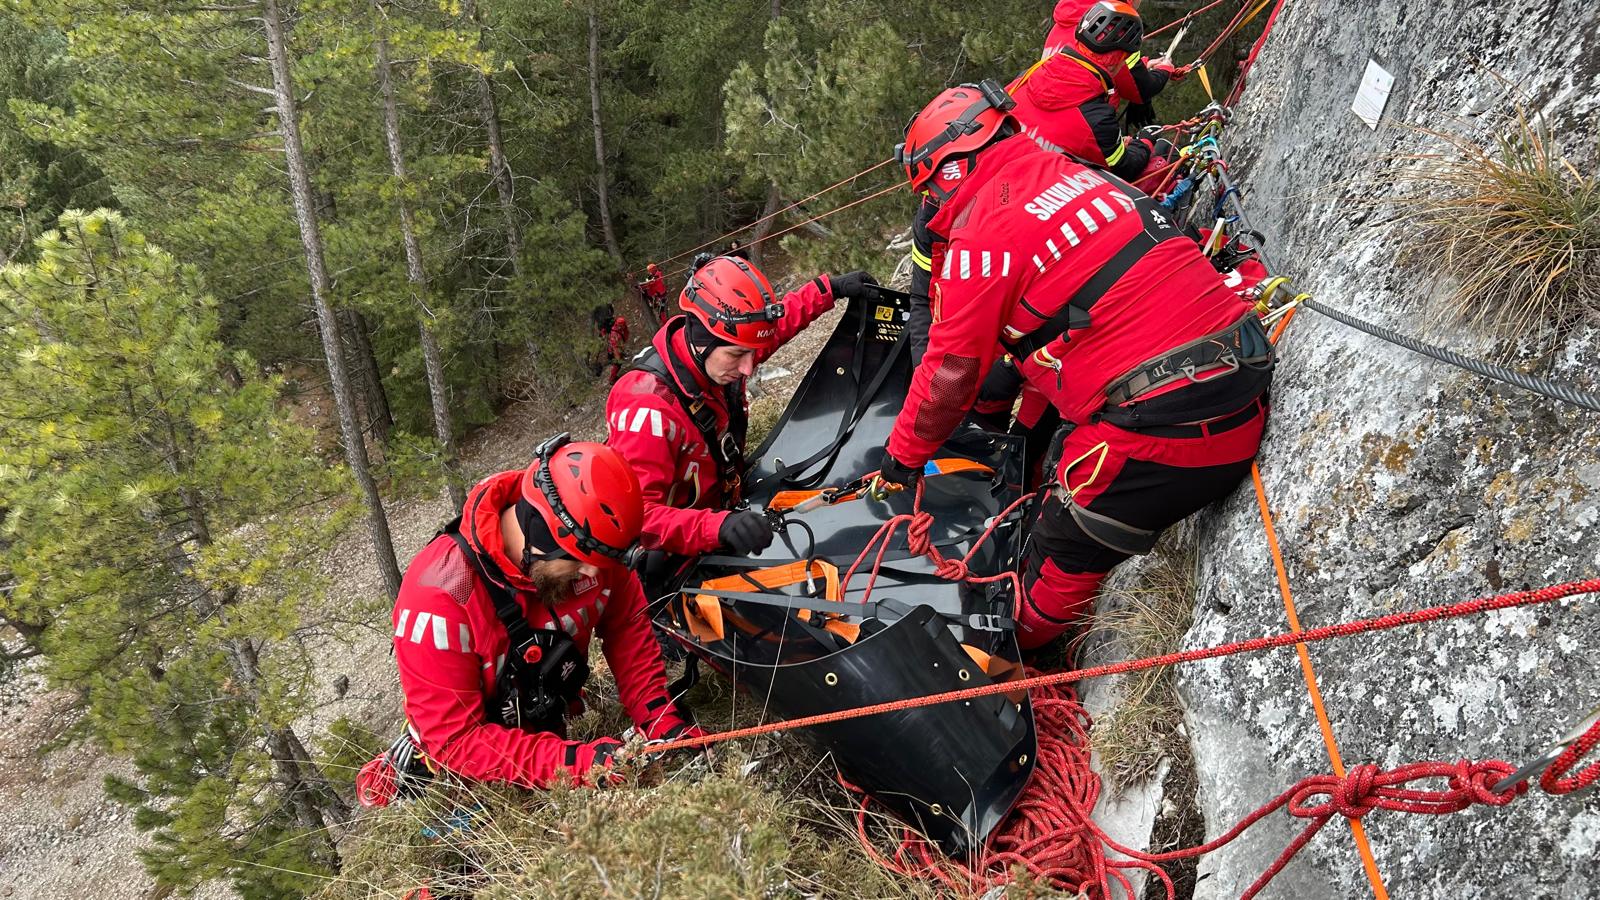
{"x":1373,"y":95}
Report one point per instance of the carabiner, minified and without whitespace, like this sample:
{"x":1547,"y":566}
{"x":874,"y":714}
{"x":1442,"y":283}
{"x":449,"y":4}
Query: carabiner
{"x":1550,"y":754}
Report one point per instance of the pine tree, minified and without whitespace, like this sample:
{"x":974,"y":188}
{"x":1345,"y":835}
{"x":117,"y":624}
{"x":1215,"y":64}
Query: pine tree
{"x":159,"y":516}
{"x":37,"y":180}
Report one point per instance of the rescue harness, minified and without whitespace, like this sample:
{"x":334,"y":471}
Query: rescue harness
{"x":726,"y":444}
{"x":1241,"y":347}
{"x":544,"y":671}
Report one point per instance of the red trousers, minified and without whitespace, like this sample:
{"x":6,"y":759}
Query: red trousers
{"x":1114,"y":493}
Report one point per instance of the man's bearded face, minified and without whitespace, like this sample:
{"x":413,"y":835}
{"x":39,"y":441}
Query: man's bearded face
{"x":554,"y":579}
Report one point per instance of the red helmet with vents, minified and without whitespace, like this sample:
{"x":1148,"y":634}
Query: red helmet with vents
{"x":589,"y":498}
{"x":734,"y":301}
{"x":960,"y":121}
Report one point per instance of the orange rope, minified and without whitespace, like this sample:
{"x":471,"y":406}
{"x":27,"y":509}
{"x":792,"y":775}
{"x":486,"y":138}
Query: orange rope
{"x":1357,"y":831}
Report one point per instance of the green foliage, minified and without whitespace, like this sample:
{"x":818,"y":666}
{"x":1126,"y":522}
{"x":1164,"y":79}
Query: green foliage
{"x":38,"y":180}
{"x":839,"y":82}
{"x":158,"y":512}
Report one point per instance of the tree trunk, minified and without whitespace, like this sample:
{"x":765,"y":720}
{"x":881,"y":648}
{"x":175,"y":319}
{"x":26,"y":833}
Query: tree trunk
{"x":774,"y":196}
{"x":499,"y":169}
{"x":760,"y":232}
{"x":355,"y":449}
{"x":432,"y":360}
{"x":602,"y":182}
{"x":380,"y":418}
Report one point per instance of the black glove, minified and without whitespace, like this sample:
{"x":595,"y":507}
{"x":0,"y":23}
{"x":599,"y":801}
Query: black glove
{"x":892,"y":474}
{"x":745,"y":532}
{"x":852,"y":286}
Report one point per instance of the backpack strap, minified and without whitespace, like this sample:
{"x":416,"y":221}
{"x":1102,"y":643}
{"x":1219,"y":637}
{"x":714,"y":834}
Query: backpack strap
{"x":1074,"y":314}
{"x":506,"y":608}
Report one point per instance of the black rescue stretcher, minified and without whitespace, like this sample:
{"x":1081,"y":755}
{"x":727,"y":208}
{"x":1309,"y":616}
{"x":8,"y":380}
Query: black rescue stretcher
{"x":780,"y":627}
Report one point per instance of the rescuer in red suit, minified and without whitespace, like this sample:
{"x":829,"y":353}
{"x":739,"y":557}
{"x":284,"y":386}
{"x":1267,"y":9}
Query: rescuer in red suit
{"x":1111,"y":314}
{"x":494,"y":618}
{"x":1069,"y":101}
{"x":678,"y":415}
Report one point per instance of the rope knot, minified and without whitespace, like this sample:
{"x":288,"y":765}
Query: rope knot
{"x":919,"y":534}
{"x":1354,"y":795}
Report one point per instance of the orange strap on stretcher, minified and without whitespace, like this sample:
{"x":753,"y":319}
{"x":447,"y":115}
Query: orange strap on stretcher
{"x":787,"y":500}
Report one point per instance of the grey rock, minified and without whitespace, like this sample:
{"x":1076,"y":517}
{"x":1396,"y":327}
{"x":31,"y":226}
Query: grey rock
{"x":1400,"y":483}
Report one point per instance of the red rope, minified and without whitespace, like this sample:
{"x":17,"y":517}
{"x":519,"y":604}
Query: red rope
{"x":1255,"y":51}
{"x":1284,"y":639}
{"x":1555,"y":780}
{"x":1186,"y":19}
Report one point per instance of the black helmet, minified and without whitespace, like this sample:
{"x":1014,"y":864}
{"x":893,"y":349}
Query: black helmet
{"x":1111,"y":25}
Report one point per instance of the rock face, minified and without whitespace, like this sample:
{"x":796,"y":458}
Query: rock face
{"x":1400,"y":483}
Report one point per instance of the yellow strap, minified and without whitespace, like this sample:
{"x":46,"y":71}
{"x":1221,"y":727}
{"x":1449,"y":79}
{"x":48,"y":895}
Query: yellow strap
{"x":1134,"y":58}
{"x":1116,"y":155}
{"x":923,"y":260}
{"x":1253,"y":13}
{"x":1102,"y":449}
{"x":1205,"y":81}
{"x":1023,"y":78}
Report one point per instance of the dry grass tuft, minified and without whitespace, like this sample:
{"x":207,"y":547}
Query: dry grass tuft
{"x":767,"y":820}
{"x":1516,"y":224}
{"x":697,"y":834}
{"x":1148,"y":618}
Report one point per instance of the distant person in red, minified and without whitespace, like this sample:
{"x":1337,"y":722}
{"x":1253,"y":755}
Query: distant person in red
{"x":1069,"y":101}
{"x":617,"y":346}
{"x":494,"y":618}
{"x":654,"y":288}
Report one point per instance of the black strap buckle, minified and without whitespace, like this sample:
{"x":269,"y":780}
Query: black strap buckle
{"x":987,"y":622}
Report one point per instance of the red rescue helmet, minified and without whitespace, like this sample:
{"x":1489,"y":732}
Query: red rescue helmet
{"x":960,"y":121}
{"x":1111,"y":26}
{"x":589,"y":500}
{"x":653,"y":269}
{"x":734,"y":302}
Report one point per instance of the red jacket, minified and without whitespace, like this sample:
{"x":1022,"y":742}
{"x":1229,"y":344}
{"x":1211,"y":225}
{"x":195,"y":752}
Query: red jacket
{"x":1132,"y":81}
{"x":617,"y":337}
{"x":1065,"y":104}
{"x":683,"y":502}
{"x":450,"y":646}
{"x":1027,"y":230}
{"x":655,"y":286}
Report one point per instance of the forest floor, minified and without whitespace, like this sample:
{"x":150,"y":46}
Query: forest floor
{"x":60,"y":836}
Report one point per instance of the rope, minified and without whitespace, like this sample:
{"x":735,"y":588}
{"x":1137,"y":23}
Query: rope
{"x":1555,"y":779}
{"x":1352,"y":628}
{"x":1358,"y":833}
{"x":774,"y":215}
{"x":1532,"y":383}
{"x":839,"y":209}
{"x":1185,"y":20}
{"x":1255,"y":52}
{"x":1537,"y":385}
